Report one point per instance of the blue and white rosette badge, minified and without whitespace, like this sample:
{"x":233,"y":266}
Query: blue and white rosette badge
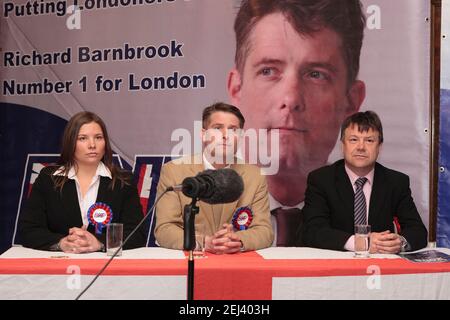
{"x":242,"y":218}
{"x":99,"y":215}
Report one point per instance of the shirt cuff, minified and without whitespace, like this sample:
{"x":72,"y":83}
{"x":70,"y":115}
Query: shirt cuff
{"x":55,"y":247}
{"x":242,"y":247}
{"x":350,"y":244}
{"x":405,"y":245}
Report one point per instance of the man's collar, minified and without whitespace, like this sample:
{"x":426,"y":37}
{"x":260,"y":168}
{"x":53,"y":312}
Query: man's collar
{"x":274,"y":204}
{"x":208,"y":166}
{"x":353,"y":176}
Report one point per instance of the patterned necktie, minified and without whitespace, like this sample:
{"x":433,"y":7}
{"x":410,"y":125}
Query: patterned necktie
{"x":360,"y":202}
{"x":288,"y":221}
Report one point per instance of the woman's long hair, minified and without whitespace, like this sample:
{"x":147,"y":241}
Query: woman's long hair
{"x":69,"y":144}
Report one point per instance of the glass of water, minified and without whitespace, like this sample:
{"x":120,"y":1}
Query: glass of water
{"x":199,"y":250}
{"x":362,"y":236}
{"x":114,"y":238}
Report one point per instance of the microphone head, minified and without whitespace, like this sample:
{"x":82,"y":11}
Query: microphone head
{"x":200,"y":186}
{"x":228,"y":186}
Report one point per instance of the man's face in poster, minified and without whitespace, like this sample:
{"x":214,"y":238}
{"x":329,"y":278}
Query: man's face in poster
{"x":297,"y":84}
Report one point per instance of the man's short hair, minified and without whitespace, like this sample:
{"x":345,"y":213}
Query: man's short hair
{"x":224,"y":107}
{"x":365,"y":121}
{"x":345,"y":17}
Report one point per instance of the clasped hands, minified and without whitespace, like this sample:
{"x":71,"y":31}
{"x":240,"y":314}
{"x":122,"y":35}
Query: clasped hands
{"x":385,"y":242}
{"x":223,"y":241}
{"x":79,"y":240}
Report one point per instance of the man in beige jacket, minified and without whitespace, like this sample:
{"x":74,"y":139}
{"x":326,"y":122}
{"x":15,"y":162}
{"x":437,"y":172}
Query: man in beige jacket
{"x":220,"y":222}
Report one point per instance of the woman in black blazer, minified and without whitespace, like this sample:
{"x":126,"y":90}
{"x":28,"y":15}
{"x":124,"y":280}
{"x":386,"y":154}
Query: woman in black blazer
{"x":59,"y":214}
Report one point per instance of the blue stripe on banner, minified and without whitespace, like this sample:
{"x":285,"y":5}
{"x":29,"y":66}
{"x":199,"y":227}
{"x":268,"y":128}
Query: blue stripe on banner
{"x":443,"y":214}
{"x":23,"y":130}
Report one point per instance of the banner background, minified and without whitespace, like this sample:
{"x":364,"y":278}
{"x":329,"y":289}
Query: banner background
{"x":394,"y":65}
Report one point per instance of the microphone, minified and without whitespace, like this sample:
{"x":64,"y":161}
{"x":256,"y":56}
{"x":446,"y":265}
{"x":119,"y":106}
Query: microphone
{"x":212,"y":186}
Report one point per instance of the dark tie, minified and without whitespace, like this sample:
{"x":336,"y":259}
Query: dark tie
{"x":360,"y":202}
{"x":288,"y":221}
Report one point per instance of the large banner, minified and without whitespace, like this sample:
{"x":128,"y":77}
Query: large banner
{"x":443,"y":216}
{"x":149,"y":67}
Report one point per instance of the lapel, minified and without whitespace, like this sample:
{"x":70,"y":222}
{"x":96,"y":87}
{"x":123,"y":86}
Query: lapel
{"x":378,"y":193}
{"x":205,"y":208}
{"x":106,"y":196}
{"x":345,"y":189}
{"x":230,"y":207}
{"x":70,"y":204}
{"x":103,"y":195}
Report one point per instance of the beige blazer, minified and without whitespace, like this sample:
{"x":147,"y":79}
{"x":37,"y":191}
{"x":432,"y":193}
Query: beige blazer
{"x":169,"y":210}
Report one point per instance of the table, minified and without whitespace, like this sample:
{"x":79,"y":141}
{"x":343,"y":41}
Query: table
{"x":273,"y":273}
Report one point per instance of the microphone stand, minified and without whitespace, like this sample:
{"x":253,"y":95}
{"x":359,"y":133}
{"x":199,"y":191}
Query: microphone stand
{"x":190,"y":210}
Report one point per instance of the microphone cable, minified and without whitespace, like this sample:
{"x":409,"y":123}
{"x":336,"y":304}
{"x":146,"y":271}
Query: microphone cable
{"x":125,"y":241}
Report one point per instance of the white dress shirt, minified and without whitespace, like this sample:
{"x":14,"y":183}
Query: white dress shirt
{"x":91,"y":195}
{"x":367,"y":190}
{"x":208,"y":166}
